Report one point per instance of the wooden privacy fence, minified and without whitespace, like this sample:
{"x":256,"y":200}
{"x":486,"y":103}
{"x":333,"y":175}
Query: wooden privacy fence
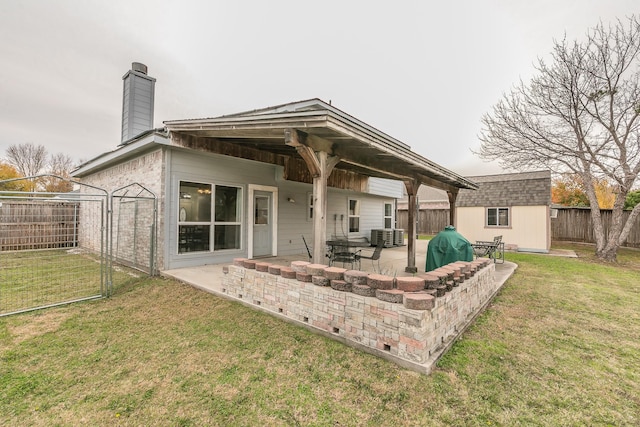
{"x":38,"y":224}
{"x":574,"y":224}
{"x":430,"y":221}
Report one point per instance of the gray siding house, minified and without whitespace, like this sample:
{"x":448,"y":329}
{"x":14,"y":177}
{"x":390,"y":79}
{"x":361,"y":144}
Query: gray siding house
{"x":252,"y":184}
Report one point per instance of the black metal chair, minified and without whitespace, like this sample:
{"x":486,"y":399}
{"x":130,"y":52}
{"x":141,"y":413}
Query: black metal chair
{"x":375,"y":256}
{"x":344,"y":258}
{"x":339,"y":253}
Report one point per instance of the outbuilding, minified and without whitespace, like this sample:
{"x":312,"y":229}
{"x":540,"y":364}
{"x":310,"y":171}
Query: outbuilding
{"x":516,"y":206}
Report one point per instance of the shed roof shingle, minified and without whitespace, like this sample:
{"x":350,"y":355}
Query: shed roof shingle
{"x":512,"y":189}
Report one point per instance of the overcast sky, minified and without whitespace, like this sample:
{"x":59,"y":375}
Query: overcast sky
{"x":423,"y":72}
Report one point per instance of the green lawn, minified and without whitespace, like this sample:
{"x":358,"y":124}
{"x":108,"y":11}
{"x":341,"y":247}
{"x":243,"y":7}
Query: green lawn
{"x":560,"y":345}
{"x":30,"y":279}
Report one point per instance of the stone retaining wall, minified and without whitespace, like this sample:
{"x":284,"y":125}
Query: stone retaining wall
{"x":410,"y":320}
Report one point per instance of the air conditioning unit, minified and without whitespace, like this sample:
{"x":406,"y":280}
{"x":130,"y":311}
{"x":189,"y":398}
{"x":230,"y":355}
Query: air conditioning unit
{"x":386,"y":235}
{"x":398,"y":237}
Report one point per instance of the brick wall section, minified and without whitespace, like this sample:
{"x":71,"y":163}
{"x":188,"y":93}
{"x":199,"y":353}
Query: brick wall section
{"x":410,"y":327}
{"x":147,"y":170}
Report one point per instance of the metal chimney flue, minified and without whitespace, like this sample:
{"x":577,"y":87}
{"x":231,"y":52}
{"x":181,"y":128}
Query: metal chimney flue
{"x":139,"y":67}
{"x":137,"y":102}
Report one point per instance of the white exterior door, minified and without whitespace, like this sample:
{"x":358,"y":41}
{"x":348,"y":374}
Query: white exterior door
{"x":262,"y":223}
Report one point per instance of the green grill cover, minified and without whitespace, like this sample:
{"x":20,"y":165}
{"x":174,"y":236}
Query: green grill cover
{"x":446,"y":247}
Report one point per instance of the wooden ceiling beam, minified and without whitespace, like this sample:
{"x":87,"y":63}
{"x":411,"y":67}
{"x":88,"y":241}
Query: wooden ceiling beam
{"x":361,"y":160}
{"x":298,"y":140}
{"x":389,"y":166}
{"x":432,"y":182}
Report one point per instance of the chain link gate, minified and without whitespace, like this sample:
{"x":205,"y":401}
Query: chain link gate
{"x":134,"y":211}
{"x":53,"y":245}
{"x":56,"y":247}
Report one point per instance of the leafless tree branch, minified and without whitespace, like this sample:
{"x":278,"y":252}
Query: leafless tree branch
{"x":579,"y":113}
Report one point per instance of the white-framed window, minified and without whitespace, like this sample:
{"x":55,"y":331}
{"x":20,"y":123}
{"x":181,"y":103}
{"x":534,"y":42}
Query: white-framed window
{"x":498,"y":217}
{"x":354,"y":216}
{"x":388,"y":215}
{"x":209,"y":213}
{"x":309,"y":206}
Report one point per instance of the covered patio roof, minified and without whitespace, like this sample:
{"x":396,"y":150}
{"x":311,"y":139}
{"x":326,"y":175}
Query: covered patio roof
{"x":326,"y":139}
{"x":359,"y":147}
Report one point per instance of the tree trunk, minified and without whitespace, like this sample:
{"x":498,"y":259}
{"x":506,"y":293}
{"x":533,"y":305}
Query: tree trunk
{"x":608,"y":254}
{"x":596,"y":216}
{"x":631,"y":220}
{"x":617,"y":224}
{"x":606,"y":246}
{"x":598,"y":229}
{"x":618,"y":231}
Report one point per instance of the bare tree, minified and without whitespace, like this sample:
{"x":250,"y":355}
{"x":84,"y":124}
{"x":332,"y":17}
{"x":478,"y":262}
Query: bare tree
{"x":579,"y":114}
{"x":31,"y":160}
{"x":28,"y":159}
{"x":59,"y":165}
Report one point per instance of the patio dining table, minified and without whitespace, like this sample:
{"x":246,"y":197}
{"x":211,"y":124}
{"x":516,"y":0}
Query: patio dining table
{"x":342,"y":250}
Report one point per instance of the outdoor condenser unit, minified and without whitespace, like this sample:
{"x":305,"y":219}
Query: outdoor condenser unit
{"x":398,"y":237}
{"x":377,"y":235}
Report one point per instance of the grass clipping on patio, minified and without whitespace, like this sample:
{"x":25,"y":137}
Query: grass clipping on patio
{"x":558,"y":346}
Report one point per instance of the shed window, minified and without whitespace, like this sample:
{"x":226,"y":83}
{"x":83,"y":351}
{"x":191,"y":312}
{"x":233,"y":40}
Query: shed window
{"x":497,"y":217}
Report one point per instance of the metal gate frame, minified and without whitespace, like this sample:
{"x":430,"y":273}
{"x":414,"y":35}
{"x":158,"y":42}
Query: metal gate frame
{"x":100,"y":239}
{"x":133,"y":193}
{"x":34,"y":285}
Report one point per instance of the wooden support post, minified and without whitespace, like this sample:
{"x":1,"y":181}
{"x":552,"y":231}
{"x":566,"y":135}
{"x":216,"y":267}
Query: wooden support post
{"x":453,"y":195}
{"x":320,"y":165}
{"x":327,"y":163}
{"x":412,"y":207}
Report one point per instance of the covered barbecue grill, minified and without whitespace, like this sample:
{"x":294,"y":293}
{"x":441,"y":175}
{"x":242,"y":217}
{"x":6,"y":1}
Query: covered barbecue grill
{"x":446,"y":247}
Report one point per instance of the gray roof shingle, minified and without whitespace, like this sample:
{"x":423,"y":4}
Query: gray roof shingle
{"x":511,"y":189}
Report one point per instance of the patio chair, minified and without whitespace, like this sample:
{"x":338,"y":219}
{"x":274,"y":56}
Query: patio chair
{"x":375,"y":256}
{"x":492,"y":250}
